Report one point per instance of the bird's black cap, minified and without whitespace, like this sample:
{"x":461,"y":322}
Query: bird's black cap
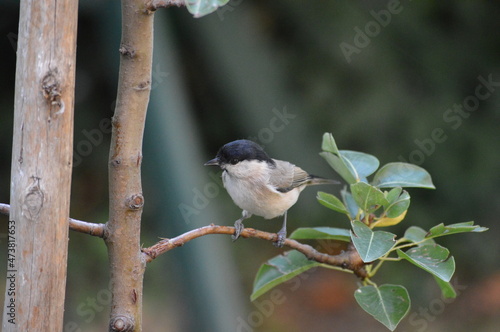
{"x":236,"y":151}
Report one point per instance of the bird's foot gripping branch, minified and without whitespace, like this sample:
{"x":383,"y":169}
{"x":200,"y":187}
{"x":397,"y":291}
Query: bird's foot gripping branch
{"x":367,"y":205}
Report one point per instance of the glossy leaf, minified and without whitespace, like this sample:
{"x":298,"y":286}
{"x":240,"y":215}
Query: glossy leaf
{"x":395,"y":210}
{"x":201,"y":8}
{"x":328,"y":144}
{"x":402,"y":175}
{"x":280,"y":269}
{"x":333,"y":157}
{"x":398,"y":205}
{"x":434,"y":259}
{"x":463,"y":227}
{"x":321,"y":233}
{"x":346,"y":171}
{"x":364,"y":164}
{"x":446,"y":288}
{"x":331,"y":202}
{"x":416,"y":234}
{"x":367,"y":197}
{"x":393,"y":194}
{"x":349,"y":202}
{"x":385,"y":222}
{"x":370,"y":244}
{"x":388,"y":304}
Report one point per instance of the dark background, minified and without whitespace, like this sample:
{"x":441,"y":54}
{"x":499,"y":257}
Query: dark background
{"x":228,"y":76}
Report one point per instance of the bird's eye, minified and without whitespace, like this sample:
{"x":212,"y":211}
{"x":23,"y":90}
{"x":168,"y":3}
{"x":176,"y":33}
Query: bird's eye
{"x":234,"y":161}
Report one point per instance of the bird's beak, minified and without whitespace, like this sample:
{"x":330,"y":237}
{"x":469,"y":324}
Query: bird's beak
{"x":213,"y":162}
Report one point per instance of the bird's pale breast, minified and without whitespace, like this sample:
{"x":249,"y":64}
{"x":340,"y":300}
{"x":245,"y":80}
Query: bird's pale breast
{"x":250,"y":191}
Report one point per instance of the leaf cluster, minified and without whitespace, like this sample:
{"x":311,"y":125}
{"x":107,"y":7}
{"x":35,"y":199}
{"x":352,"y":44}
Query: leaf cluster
{"x":367,"y":205}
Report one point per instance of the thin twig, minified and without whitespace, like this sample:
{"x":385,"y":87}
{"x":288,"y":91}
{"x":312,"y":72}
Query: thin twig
{"x":74,"y":224}
{"x":348,"y":259}
{"x":87,"y":227}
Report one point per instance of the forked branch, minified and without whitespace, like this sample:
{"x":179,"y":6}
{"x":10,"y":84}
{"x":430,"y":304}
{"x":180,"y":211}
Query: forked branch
{"x":348,"y":259}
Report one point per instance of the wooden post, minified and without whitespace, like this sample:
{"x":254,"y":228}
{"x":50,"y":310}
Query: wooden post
{"x":41,"y":166}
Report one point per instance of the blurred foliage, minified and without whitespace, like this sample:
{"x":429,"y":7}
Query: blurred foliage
{"x":254,"y":61}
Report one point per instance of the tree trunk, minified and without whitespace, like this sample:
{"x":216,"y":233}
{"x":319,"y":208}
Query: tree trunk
{"x":41,"y":166}
{"x":122,"y":236}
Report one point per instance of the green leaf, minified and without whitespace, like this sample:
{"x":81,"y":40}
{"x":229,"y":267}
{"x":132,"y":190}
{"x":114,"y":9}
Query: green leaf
{"x":434,"y":259}
{"x":201,"y":8}
{"x":321,"y":233}
{"x":328,"y":144}
{"x":393,"y":194}
{"x":368,"y":197}
{"x":345,"y":170}
{"x":388,"y":304}
{"x":333,"y":157}
{"x":416,"y":234}
{"x":364,"y":164}
{"x":402,"y":175}
{"x":349,"y":202}
{"x":369,"y":244}
{"x":446,"y":288}
{"x":278,"y":270}
{"x":352,"y":166}
{"x":331,"y":202}
{"x":463,"y":227}
{"x":397,"y":206}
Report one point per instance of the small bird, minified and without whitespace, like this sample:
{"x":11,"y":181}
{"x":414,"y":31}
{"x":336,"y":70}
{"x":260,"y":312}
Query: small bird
{"x":259,"y":184}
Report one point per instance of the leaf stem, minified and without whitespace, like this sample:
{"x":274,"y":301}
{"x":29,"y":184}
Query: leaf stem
{"x":368,"y":281}
{"x":390,"y":259}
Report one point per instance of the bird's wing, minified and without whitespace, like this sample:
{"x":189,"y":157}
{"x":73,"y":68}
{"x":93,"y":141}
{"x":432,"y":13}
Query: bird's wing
{"x":286,"y":176}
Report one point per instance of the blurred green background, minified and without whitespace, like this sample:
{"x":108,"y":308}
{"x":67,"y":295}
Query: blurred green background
{"x":382,"y":76}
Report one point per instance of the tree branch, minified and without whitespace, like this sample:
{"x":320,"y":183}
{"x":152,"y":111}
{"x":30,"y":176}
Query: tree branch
{"x":90,"y":228}
{"x":348,"y":259}
{"x":74,"y":224}
{"x":4,"y":209}
{"x":126,"y":200}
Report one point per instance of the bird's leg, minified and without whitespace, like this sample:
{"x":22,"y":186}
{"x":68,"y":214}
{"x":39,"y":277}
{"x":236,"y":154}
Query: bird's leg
{"x":281,"y":234}
{"x":238,"y":225}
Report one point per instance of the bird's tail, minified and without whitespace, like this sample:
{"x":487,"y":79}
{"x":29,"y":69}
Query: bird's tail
{"x":315,"y":180}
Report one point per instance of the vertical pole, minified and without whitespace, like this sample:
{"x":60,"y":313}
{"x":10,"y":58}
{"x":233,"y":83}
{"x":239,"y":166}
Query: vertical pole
{"x":41,"y":166}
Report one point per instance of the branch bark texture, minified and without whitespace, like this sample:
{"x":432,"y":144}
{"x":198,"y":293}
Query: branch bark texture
{"x":76,"y":225}
{"x":348,"y":259}
{"x":41,"y":166}
{"x":125,"y":190}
